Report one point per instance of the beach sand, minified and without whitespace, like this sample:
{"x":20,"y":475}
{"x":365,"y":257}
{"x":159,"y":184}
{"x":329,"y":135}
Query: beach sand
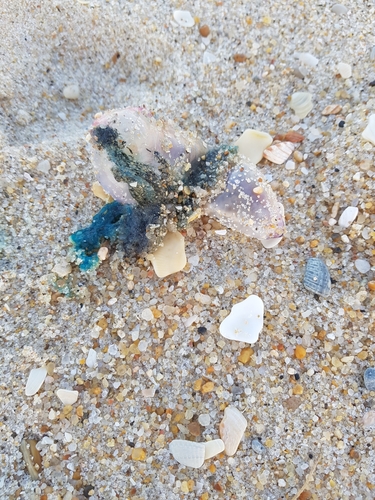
{"x":312,"y":415}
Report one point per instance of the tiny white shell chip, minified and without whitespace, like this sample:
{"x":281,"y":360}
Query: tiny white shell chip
{"x":35,"y":381}
{"x":369,"y":133}
{"x":44,"y":166}
{"x":301,"y":103}
{"x":170,"y":257}
{"x":339,"y":9}
{"x":307,"y":58}
{"x":272,"y":242}
{"x":71,"y":92}
{"x":348,"y":216}
{"x":363,"y":266}
{"x":188,"y":453}
{"x":183,"y":18}
{"x":91,"y":358}
{"x":232,"y":428}
{"x":245,"y":321}
{"x":213,"y":448}
{"x":67,"y":397}
{"x":279,"y":152}
{"x":252,"y":143}
{"x":345,"y":70}
{"x":62,"y":268}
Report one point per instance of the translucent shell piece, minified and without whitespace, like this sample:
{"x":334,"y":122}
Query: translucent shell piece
{"x":317,"y":278}
{"x":369,"y":133}
{"x":35,"y":380}
{"x":213,"y":448}
{"x":170,"y":257}
{"x":146,"y":140}
{"x":248,"y":204}
{"x":188,"y":453}
{"x":301,"y":103}
{"x":232,"y":428}
{"x":252,"y":143}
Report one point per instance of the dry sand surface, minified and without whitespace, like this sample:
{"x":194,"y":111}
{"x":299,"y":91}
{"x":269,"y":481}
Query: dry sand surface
{"x":162,"y":370}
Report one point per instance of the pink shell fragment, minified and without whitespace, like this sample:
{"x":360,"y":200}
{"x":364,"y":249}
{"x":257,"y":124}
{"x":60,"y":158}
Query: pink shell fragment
{"x":279,"y":152}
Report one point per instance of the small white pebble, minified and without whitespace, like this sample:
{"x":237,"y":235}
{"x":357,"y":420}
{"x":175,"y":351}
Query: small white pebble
{"x":208,"y":57}
{"x":67,"y":397}
{"x":71,"y":92}
{"x":290,"y":165}
{"x":43,"y":166}
{"x":363,"y":266}
{"x":23,"y":117}
{"x":103,"y":253}
{"x":339,"y":9}
{"x":62,"y":268}
{"x":183,"y":18}
{"x":204,"y":419}
{"x":143,"y":346}
{"x":148,"y":393}
{"x":147,"y":314}
{"x":345,"y":70}
{"x":282,"y":483}
{"x":112,"y":301}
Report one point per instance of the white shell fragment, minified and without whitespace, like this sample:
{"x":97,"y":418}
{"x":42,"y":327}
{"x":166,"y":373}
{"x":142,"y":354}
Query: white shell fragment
{"x":348,"y":216}
{"x":62,"y":268}
{"x":183,"y":18}
{"x":252,"y":143}
{"x":170,"y":257}
{"x":301,"y":103}
{"x":272,"y":242}
{"x":345,"y":70}
{"x":67,"y":397}
{"x":317,"y":278}
{"x":91,"y":358}
{"x":71,"y":92}
{"x":369,"y":133}
{"x":213,"y":448}
{"x":245,"y":321}
{"x":188,"y":453}
{"x":279,"y":152}
{"x":35,"y":381}
{"x":232,"y":428}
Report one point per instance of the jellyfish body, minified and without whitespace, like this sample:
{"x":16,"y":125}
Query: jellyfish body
{"x":160,"y":177}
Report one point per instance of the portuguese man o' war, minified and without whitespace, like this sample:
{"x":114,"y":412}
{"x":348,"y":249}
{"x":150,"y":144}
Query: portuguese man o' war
{"x":161,"y":179}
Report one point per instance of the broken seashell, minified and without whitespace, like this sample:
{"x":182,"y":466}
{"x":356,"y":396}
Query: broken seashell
{"x":213,"y":448}
{"x":348,"y":216}
{"x":248,"y":204}
{"x":252,"y":143}
{"x":345,"y":70}
{"x":331,"y":109}
{"x":231,"y":429}
{"x":291,"y":136}
{"x":307,"y":59}
{"x":369,"y":133}
{"x":184,"y":18}
{"x":35,"y":380}
{"x":245,"y":321}
{"x":272,"y":242}
{"x":67,"y":397}
{"x":317,"y":278}
{"x":170,"y":257}
{"x":279,"y":152}
{"x":100,"y":193}
{"x":32,"y":457}
{"x":188,"y":453}
{"x":301,"y":103}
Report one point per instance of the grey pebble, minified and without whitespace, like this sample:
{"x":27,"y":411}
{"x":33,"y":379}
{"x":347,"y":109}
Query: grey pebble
{"x":369,"y":378}
{"x":317,"y":278}
{"x":257,"y":446}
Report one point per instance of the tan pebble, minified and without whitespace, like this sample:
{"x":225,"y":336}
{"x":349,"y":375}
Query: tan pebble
{"x":103,"y":253}
{"x":314,"y":243}
{"x":138,"y":454}
{"x":207,"y":387}
{"x":362,"y":355}
{"x":371,"y":285}
{"x":100,"y":193}
{"x":194,"y":428}
{"x":298,"y":156}
{"x":245,"y":355}
{"x":239,"y":58}
{"x":291,"y":136}
{"x":299,"y":352}
{"x":300,"y":240}
{"x":297,"y":390}
{"x":332,"y":109}
{"x":198,"y":384}
{"x":292,"y":403}
{"x":204,"y":31}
